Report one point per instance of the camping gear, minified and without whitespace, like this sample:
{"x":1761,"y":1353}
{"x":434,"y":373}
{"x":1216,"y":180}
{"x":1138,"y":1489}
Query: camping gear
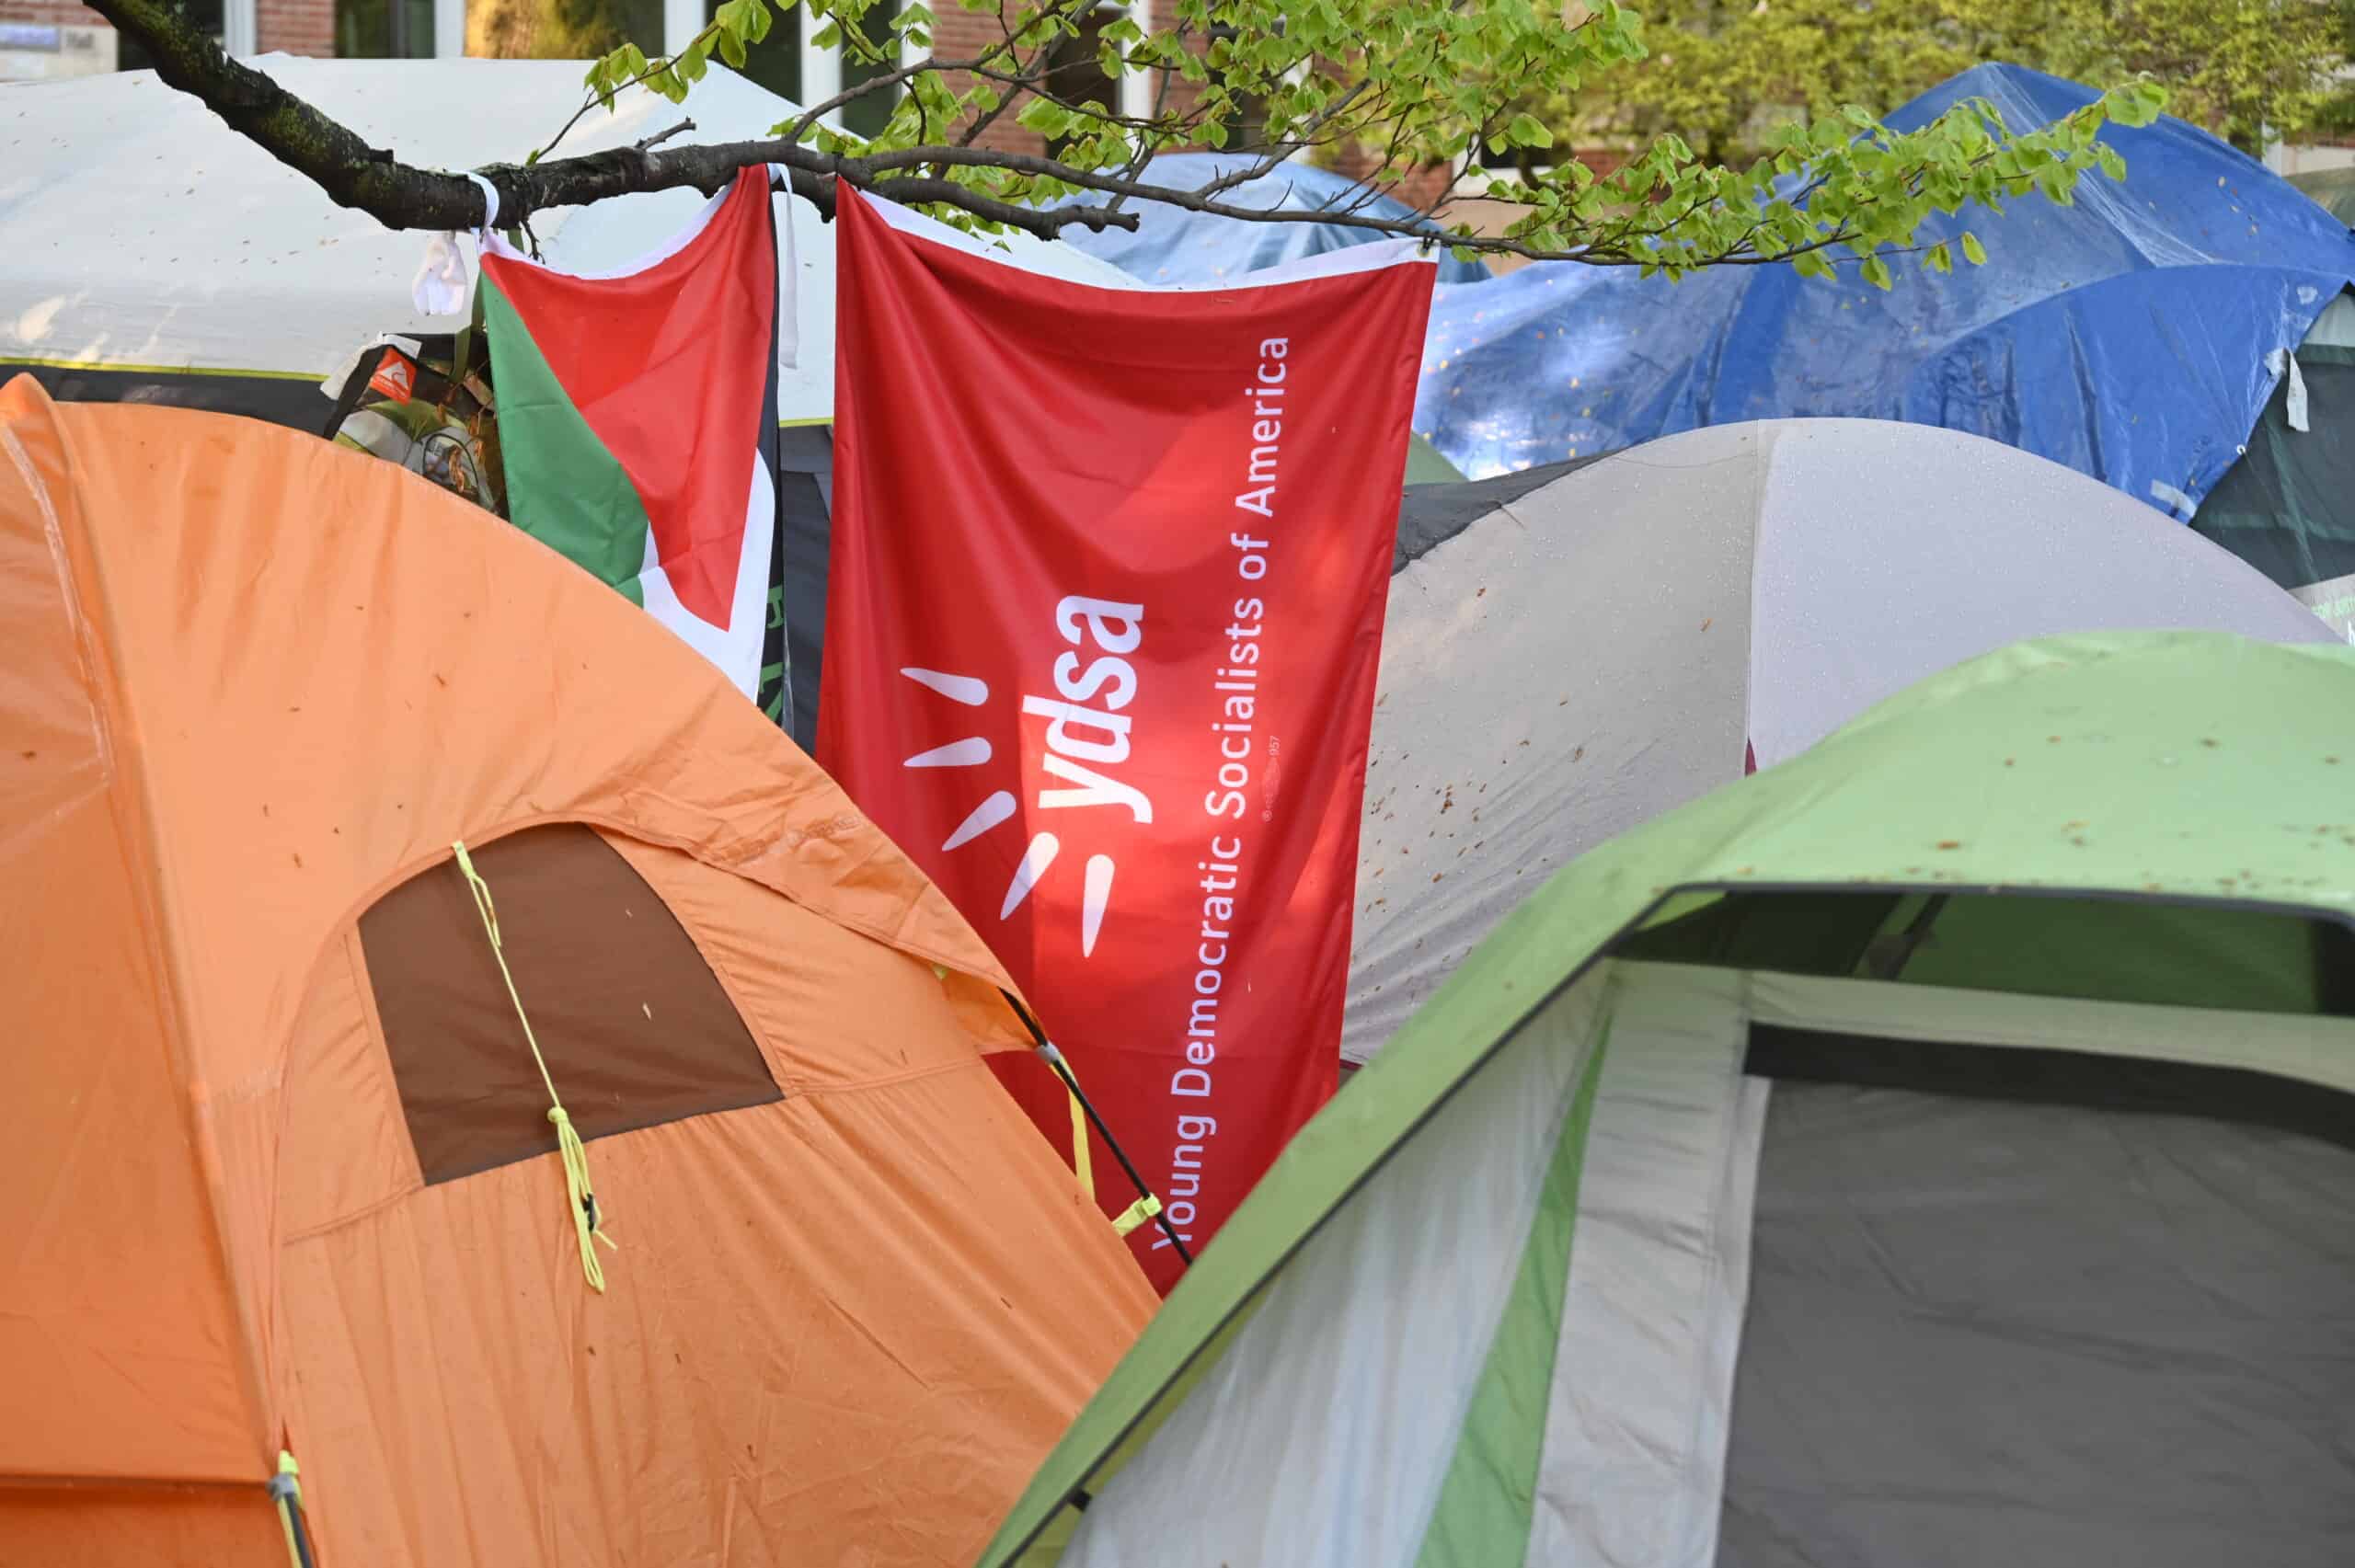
{"x":1569,"y":655}
{"x":393,"y":913}
{"x":2333,"y":189}
{"x":2288,"y":507}
{"x":1936,"y":1148}
{"x":413,"y":403}
{"x":160,"y":257}
{"x":2134,"y":336}
{"x":1110,"y":679}
{"x":1171,"y":245}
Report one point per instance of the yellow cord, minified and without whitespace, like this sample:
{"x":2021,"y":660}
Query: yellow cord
{"x":587,"y":1223}
{"x":1081,"y":1159}
{"x":286,"y":1491}
{"x":1136,"y":1214}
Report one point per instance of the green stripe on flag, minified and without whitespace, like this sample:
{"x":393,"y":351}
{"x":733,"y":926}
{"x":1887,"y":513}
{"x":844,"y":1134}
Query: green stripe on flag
{"x":564,"y":487}
{"x":1485,"y":1503}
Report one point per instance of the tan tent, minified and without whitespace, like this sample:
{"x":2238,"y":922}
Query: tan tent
{"x":278,"y":1153}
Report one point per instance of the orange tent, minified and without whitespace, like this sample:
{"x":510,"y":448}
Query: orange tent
{"x":278,"y":1155}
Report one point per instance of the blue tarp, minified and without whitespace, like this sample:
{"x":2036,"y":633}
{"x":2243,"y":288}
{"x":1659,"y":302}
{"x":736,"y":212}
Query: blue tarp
{"x":2127,"y":336}
{"x":1173,"y":245}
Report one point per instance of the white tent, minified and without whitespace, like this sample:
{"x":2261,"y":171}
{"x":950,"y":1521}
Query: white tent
{"x":1568,"y":657}
{"x":145,"y":235}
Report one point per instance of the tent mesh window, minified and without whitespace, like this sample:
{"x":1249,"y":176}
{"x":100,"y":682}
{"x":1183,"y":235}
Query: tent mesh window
{"x":636,"y":1028}
{"x":2101,"y":949}
{"x":2041,"y":1307}
{"x":2288,"y":507}
{"x":2028,"y":1304}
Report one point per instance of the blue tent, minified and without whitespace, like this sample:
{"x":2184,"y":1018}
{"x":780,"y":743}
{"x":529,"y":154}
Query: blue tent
{"x":2133,"y":337}
{"x":1172,"y":246}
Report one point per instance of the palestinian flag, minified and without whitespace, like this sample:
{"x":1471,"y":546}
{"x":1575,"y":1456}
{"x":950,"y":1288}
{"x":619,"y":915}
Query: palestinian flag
{"x":638,"y":426}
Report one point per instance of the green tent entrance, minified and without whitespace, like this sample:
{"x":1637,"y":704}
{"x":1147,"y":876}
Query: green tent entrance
{"x":1938,"y":1147}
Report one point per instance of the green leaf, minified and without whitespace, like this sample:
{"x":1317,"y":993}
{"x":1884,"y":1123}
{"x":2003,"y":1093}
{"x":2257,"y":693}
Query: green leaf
{"x":1940,"y":260}
{"x":2111,"y":164}
{"x":1973,"y":251}
{"x":1528,"y":131}
{"x":1876,"y":272}
{"x":1045,"y":116}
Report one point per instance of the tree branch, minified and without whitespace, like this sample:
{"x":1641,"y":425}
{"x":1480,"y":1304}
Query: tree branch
{"x":400,"y":196}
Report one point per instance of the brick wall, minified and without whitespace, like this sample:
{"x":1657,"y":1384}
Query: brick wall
{"x":960,"y":34}
{"x":290,"y":27}
{"x":50,"y":14}
{"x":295,"y":26}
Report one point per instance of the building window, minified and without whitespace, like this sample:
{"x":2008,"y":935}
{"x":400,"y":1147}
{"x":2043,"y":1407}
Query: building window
{"x":384,"y":30}
{"x":1075,"y":71}
{"x":775,"y":62}
{"x":544,"y":30}
{"x":1246,"y":119}
{"x":867,"y":116}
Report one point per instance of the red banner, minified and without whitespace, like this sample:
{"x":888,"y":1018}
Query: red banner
{"x":1108,"y":570}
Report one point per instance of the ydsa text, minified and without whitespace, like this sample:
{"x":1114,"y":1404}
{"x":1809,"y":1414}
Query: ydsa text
{"x":1087,"y":744}
{"x":1082,"y":740}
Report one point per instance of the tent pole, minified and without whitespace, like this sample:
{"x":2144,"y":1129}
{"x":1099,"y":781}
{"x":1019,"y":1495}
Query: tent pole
{"x":1054,"y":1059}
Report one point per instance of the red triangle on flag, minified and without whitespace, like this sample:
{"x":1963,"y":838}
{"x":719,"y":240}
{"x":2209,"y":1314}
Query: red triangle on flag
{"x":670,"y":368}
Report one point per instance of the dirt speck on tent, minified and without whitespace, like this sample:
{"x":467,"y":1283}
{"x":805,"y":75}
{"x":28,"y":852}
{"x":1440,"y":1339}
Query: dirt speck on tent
{"x":1949,"y":843}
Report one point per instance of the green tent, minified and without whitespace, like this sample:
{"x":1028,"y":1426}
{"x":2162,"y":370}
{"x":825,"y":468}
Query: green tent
{"x":2335,"y":188}
{"x":1426,"y":466}
{"x":1937,"y":1148}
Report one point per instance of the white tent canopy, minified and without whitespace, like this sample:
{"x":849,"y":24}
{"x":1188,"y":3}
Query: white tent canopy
{"x":145,"y":233}
{"x":1573,"y":660}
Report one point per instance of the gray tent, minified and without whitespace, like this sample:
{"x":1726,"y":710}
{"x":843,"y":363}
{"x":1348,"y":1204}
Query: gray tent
{"x":1571,"y":652}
